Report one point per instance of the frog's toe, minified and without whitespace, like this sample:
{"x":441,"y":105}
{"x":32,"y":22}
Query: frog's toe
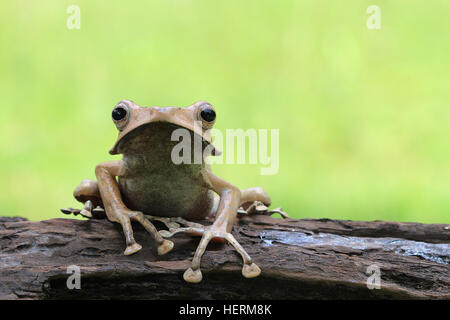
{"x":251,"y":270}
{"x":86,"y":213}
{"x":280,"y":211}
{"x":87,"y":208}
{"x":165,"y":247}
{"x":167,"y":221}
{"x":73,"y":211}
{"x":132,"y":249}
{"x":258,"y":207}
{"x":174,"y":231}
{"x":193,"y":276}
{"x":165,"y":233}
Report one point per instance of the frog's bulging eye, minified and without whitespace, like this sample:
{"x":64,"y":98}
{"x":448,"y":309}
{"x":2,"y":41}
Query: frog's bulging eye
{"x":119,"y":113}
{"x":208,"y":115}
{"x":205,"y":114}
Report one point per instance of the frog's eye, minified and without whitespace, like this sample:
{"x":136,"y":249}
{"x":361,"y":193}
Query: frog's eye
{"x":120,"y":115}
{"x":206,"y":115}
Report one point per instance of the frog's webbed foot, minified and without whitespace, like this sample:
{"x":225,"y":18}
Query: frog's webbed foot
{"x":257,"y":207}
{"x":173,"y":222}
{"x":88,"y":211}
{"x":174,"y":226}
{"x":124,"y":217}
{"x":194,"y":274}
{"x":256,"y":201}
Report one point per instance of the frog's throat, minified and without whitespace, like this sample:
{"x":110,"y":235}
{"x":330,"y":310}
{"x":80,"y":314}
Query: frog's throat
{"x":204,"y":134}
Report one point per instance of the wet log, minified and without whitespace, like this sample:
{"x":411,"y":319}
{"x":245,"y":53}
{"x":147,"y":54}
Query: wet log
{"x":300,"y":259}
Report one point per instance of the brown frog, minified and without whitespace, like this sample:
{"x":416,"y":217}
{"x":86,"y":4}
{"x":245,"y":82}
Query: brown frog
{"x":148,"y":181}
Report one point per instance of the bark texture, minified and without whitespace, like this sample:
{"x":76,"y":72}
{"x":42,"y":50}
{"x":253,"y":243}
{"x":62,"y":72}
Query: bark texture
{"x":300,"y":259}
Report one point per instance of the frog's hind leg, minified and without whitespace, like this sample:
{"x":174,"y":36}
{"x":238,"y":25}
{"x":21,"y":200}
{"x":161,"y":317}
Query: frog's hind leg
{"x":87,"y":192}
{"x":230,"y":199}
{"x":256,"y":200}
{"x":249,"y":197}
{"x":254,"y":194}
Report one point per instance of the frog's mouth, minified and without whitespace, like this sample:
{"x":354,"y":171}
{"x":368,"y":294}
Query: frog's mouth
{"x":158,"y":135}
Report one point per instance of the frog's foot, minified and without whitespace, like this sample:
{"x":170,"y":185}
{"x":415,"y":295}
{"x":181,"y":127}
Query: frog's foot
{"x":131,"y":249}
{"x":164,"y":246}
{"x":174,"y":226}
{"x":194,"y":274}
{"x":257,"y":207}
{"x":197,"y":231}
{"x":88,"y":211}
{"x":173,"y":222}
{"x":68,"y":211}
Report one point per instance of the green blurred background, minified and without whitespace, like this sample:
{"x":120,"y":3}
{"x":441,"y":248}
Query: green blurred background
{"x":363,"y":114}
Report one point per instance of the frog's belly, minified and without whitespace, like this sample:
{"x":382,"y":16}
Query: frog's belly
{"x":167,"y":196}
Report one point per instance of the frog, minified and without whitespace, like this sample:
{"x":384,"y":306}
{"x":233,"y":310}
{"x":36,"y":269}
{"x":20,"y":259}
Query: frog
{"x":146,"y":185}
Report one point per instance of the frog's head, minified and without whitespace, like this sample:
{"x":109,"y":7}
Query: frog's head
{"x":198,"y":117}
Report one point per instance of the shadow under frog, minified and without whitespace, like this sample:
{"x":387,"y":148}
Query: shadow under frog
{"x":146,"y":180}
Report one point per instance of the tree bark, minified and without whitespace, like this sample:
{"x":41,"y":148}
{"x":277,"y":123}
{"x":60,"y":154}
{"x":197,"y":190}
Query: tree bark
{"x":299,"y":259}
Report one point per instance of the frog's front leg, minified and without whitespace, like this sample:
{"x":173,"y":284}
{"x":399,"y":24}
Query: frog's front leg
{"x":230,"y":199}
{"x":116,"y":210}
